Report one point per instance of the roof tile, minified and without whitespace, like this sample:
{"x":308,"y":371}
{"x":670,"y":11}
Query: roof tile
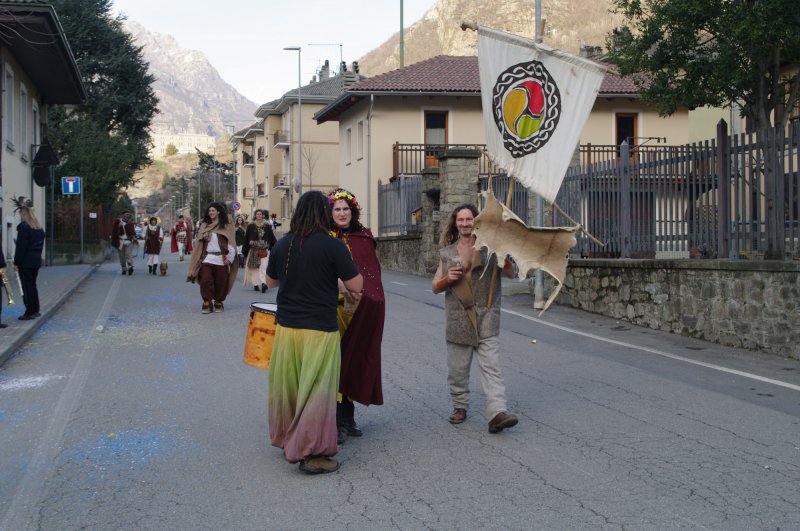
{"x":445,"y":73}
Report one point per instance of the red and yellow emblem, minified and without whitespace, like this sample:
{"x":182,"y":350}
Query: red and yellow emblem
{"x":527,"y":106}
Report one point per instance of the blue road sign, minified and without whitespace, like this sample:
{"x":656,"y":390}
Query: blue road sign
{"x":236,"y":205}
{"x":71,"y":185}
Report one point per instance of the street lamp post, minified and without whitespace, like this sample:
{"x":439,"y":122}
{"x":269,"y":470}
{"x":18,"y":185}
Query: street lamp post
{"x":299,"y":122}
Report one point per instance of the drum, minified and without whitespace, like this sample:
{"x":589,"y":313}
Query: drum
{"x":260,"y":334}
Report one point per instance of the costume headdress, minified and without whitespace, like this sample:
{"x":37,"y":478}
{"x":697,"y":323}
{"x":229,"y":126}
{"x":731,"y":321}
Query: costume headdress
{"x":21,"y":202}
{"x":341,"y":193}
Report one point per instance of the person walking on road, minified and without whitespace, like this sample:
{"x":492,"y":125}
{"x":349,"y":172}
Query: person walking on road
{"x":258,"y":240}
{"x":181,"y":238}
{"x":360,"y":317}
{"x":473,"y":326}
{"x":153,"y":238}
{"x":123,"y":236}
{"x":305,"y":265}
{"x":241,"y":227}
{"x":28,"y":258}
{"x":214,"y":266}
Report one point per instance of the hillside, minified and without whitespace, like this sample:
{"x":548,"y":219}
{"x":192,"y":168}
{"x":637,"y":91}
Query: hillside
{"x":193,"y":98}
{"x":568,"y":24}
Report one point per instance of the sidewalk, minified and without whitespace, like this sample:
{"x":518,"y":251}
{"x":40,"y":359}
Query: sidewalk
{"x":56,"y":284}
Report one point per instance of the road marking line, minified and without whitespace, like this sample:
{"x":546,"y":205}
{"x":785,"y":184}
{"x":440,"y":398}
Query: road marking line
{"x":658,"y":352}
{"x":399,"y":283}
{"x":28,"y":495}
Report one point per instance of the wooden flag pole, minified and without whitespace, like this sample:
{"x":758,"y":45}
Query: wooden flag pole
{"x":509,"y":196}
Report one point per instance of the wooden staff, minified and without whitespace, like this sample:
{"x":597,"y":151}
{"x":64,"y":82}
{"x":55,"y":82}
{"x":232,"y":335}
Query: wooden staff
{"x":509,"y":196}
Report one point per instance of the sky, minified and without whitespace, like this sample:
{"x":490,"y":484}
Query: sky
{"x":244,"y":39}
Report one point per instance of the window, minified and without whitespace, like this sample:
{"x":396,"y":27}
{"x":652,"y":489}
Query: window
{"x":626,"y":129}
{"x":360,"y":140}
{"x":348,"y":145}
{"x":435,"y":135}
{"x":35,"y":123}
{"x":23,"y":123}
{"x":8,"y":115}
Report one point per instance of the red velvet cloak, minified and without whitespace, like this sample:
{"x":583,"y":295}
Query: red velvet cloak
{"x":361,"y":343}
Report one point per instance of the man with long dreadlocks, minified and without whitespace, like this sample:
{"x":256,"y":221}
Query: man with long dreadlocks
{"x":305,"y":266}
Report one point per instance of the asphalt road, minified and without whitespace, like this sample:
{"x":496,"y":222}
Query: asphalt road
{"x":131,"y":410}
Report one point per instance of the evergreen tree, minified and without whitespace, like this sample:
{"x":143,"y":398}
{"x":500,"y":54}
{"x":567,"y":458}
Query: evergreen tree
{"x":106,"y":139}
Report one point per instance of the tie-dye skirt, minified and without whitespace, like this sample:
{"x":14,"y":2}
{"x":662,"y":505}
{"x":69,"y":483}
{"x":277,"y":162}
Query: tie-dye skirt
{"x":303,"y":380}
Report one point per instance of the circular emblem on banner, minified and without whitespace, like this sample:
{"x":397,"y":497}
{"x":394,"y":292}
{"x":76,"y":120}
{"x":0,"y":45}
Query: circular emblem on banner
{"x":526,"y":107}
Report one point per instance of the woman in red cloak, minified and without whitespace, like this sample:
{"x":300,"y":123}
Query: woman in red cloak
{"x":360,"y":318}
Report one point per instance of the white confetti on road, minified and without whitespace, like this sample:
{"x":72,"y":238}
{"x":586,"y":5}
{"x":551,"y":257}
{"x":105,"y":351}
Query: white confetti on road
{"x":30,"y":382}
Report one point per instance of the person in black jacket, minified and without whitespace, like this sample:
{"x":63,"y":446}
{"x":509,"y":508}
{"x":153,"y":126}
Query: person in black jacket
{"x":28,"y":258}
{"x":2,"y":272}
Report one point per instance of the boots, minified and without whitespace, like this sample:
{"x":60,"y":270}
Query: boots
{"x":150,"y":269}
{"x":345,"y":420}
{"x":155,"y":269}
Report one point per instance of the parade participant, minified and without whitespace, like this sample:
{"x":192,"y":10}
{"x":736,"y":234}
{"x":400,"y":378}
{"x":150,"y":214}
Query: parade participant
{"x":123,"y":236}
{"x":241,"y":226}
{"x":274,"y":221}
{"x":28,"y":257}
{"x":360,"y":318}
{"x":181,"y":236}
{"x":213,"y":266}
{"x":258,"y":240}
{"x":153,"y":238}
{"x":2,"y":274}
{"x":305,"y":265}
{"x":472,"y":327}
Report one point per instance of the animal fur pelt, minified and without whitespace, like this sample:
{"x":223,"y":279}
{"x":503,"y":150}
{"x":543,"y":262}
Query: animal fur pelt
{"x":500,"y":231}
{"x":162,"y":267}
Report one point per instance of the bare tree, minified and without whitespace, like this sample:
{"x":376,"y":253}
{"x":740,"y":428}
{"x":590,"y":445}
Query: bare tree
{"x":311,"y":157}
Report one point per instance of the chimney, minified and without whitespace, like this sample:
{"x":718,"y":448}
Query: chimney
{"x":342,"y":67}
{"x":355,"y":67}
{"x":591,"y":52}
{"x":325,"y":71}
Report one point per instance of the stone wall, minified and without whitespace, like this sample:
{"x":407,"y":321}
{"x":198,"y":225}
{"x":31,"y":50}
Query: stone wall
{"x":748,"y":304}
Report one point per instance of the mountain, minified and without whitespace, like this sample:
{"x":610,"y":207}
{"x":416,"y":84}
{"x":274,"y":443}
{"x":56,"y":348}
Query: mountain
{"x":193,"y":98}
{"x":567,"y":25}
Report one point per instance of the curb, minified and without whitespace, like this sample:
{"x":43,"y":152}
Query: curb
{"x":8,"y":351}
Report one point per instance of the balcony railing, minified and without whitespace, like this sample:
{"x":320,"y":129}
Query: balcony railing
{"x":411,"y":159}
{"x":280,"y":181}
{"x":281,"y":139}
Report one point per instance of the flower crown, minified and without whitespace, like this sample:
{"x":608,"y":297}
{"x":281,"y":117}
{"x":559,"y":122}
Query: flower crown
{"x":341,"y":193}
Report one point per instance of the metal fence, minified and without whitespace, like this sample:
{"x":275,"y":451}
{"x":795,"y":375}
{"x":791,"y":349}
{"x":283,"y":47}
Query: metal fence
{"x":519,"y":197}
{"x":733,"y":197}
{"x":399,"y":205}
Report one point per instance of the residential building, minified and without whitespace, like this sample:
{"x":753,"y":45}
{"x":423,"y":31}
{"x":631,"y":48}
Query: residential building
{"x":183,"y":142}
{"x":248,"y":159}
{"x":36,"y":72}
{"x":394,"y":123}
{"x":274,"y":142}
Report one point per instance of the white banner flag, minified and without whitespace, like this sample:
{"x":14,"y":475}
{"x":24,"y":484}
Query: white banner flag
{"x":536,"y":100}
